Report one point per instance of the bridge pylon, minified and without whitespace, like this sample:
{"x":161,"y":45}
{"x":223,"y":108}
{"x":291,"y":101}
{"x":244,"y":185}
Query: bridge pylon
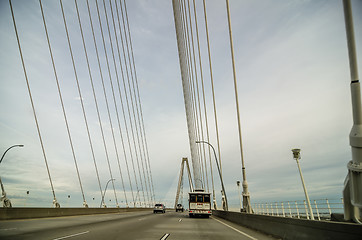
{"x":184,"y":163}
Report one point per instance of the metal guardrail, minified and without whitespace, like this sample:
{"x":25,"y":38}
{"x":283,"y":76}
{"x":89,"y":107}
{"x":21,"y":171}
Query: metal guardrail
{"x":322,"y":208}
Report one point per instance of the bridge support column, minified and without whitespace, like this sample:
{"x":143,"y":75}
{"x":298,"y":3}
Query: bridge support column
{"x":352,"y":192}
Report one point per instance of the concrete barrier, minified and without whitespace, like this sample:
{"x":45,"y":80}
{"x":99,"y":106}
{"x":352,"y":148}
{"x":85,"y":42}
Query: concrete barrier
{"x":292,"y":228}
{"x":23,"y":213}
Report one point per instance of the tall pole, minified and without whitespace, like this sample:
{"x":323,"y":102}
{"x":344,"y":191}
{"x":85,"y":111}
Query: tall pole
{"x":238,"y":184}
{"x":352,"y":192}
{"x":296,"y":156}
{"x":226,"y":207}
{"x":6,"y":201}
{"x":246,"y":195}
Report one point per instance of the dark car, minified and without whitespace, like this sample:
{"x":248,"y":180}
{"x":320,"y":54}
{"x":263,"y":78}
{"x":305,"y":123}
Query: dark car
{"x":159,"y":207}
{"x":179,"y":208}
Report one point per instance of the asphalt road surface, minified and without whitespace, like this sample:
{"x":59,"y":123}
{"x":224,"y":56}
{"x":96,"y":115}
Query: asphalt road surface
{"x":136,"y":225}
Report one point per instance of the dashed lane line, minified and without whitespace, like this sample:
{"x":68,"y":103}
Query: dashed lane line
{"x":164,"y":237}
{"x":73,"y":235}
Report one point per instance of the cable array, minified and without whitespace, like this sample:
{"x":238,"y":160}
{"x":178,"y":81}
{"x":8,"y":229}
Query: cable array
{"x":118,"y":84}
{"x":193,"y":80}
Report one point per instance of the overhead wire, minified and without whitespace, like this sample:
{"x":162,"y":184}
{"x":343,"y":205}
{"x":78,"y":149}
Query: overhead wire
{"x":104,"y":89}
{"x":60,"y":93}
{"x":132,"y":123}
{"x":203,"y":95}
{"x":208,"y":139}
{"x":201,"y":129}
{"x":192,"y":97}
{"x":212,"y":86}
{"x":55,"y":202}
{"x":128,"y":108}
{"x":86,"y":122}
{"x":105,"y":95}
{"x":141,"y":122}
{"x":185,"y":71}
{"x":122,"y":105}
{"x":113,"y":94}
{"x":134,"y":105}
{"x":193,"y":79}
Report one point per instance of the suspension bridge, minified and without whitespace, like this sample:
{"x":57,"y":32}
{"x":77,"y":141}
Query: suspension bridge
{"x":73,"y":100}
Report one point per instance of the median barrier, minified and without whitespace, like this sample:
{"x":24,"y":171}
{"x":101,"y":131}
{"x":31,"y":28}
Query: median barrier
{"x":23,"y":213}
{"x":292,"y":228}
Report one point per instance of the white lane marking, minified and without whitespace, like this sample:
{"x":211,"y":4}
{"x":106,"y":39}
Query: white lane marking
{"x":180,"y":220}
{"x":165,"y":236}
{"x":141,"y":219}
{"x":7,"y":229}
{"x":73,"y":235}
{"x":236,"y":229}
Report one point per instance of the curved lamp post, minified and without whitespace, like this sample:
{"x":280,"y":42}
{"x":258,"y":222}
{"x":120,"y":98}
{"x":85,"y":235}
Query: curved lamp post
{"x":222,"y":182}
{"x":104,"y":205}
{"x":296,"y":156}
{"x":18,"y":145}
{"x":6,"y":202}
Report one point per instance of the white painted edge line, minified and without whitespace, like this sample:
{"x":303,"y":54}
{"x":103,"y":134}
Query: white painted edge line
{"x":165,"y":236}
{"x":7,"y":229}
{"x":180,"y":220}
{"x":73,"y":235}
{"x":236,"y":229}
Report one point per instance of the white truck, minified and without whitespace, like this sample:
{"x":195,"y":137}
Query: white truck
{"x":199,"y":204}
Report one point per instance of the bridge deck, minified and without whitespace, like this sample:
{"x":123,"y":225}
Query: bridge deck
{"x":136,"y":225}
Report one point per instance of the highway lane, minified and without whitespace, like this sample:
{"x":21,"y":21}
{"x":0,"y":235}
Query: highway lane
{"x":137,"y":225}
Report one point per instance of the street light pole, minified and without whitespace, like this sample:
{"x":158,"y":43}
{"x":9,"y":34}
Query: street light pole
{"x":296,"y":156}
{"x":102,"y":201}
{"x":222,"y":182}
{"x":238,"y":184}
{"x":6,"y":202}
{"x":18,"y":145}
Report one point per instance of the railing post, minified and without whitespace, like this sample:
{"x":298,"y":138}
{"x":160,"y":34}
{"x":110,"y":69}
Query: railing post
{"x":276,"y":207}
{"x":267,"y":209}
{"x":329,"y":208}
{"x":261,"y":208}
{"x":316,"y":207}
{"x":290,"y":210}
{"x":296,"y":205}
{"x":306,"y":209}
{"x":272,"y":210}
{"x":283,"y":209}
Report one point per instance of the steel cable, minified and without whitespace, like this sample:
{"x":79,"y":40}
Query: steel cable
{"x":134,"y":104}
{"x":212,"y":86}
{"x":193,"y":71}
{"x":189,"y":95}
{"x":121,"y":99}
{"x":203,"y":154}
{"x":98,"y":114}
{"x":55,"y":202}
{"x":140,"y":116}
{"x":203,"y":94}
{"x":114,"y":97}
{"x":130,"y":112}
{"x":60,"y":93}
{"x":124,"y":114}
{"x":90,"y":75}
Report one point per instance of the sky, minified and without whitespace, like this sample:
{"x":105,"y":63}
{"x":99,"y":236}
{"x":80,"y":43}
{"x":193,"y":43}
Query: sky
{"x":293,"y":81}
